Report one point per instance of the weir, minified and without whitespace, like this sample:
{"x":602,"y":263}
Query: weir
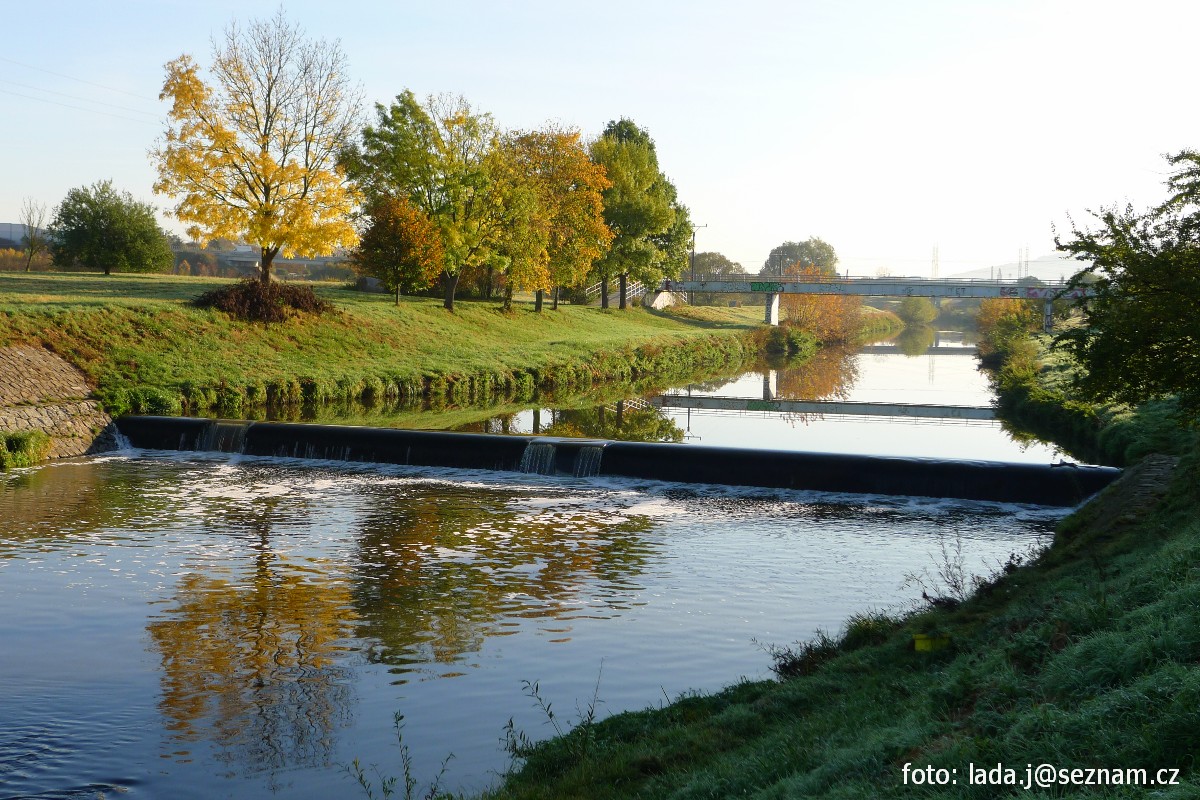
{"x":1057,"y":485}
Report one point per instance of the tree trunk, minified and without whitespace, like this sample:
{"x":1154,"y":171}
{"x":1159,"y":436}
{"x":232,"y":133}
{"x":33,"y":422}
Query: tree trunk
{"x":537,"y":420}
{"x":623,"y":280}
{"x":508,"y":297}
{"x":537,"y":301}
{"x":267,"y":256}
{"x":449,"y":285}
{"x":397,"y":295}
{"x":604,"y":292}
{"x":554,"y":301}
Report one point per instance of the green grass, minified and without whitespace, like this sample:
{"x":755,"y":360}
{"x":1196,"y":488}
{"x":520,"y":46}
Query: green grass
{"x":143,"y":347}
{"x":1033,"y":383}
{"x":1085,"y":658}
{"x":23,"y":449}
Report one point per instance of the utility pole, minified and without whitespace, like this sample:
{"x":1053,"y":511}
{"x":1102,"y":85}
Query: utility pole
{"x":694,"y":227}
{"x":692,"y":295}
{"x":935,"y":262}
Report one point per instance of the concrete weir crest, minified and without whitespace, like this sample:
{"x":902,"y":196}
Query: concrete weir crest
{"x":1040,"y":484}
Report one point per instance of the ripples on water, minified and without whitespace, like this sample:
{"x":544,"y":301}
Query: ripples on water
{"x":193,"y":626}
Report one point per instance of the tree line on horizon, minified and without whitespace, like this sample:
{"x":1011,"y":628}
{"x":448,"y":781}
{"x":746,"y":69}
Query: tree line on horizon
{"x":268,"y":149}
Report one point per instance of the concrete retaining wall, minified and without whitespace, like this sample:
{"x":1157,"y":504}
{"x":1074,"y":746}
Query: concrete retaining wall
{"x":40,"y":391}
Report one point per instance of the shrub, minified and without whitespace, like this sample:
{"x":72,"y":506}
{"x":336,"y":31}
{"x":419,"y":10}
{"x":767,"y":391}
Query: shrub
{"x":252,"y":300}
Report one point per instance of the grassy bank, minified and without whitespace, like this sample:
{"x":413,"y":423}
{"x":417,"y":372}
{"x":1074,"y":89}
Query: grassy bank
{"x":1083,"y":658}
{"x":1033,"y":385}
{"x":146,"y":349}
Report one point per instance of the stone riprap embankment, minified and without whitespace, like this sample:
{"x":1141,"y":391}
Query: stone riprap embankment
{"x":40,"y":391}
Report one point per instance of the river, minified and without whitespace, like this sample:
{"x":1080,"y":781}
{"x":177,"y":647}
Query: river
{"x":209,"y":625}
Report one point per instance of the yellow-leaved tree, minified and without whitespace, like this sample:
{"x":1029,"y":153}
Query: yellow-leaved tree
{"x":253,"y":154}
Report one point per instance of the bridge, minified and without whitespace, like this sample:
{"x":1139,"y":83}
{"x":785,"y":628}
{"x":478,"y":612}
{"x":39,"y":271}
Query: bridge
{"x":823,"y":407}
{"x":772,"y":403}
{"x":775,"y":286}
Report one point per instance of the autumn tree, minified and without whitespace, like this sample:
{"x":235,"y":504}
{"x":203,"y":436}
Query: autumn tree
{"x":253,"y":154}
{"x":567,"y":187}
{"x":439,"y":154}
{"x":97,"y":227}
{"x":33,"y":217}
{"x":400,"y":246}
{"x":829,"y":317}
{"x":640,"y":207}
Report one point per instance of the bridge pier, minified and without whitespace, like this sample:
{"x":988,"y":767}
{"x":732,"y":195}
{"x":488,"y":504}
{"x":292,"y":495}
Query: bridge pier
{"x":1048,"y":316}
{"x":772,"y":315}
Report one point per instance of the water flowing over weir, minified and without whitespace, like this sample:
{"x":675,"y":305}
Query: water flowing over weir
{"x":1058,"y":485}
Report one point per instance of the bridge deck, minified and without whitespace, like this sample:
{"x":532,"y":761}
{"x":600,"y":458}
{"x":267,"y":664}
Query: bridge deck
{"x":879,"y":287}
{"x":825,"y":407}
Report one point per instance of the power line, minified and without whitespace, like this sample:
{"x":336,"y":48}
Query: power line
{"x":83,"y":99}
{"x":77,"y":108}
{"x":73,"y":78}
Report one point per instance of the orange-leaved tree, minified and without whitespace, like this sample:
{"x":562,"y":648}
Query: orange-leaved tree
{"x":253,"y":155}
{"x":400,"y":246}
{"x":829,"y":317}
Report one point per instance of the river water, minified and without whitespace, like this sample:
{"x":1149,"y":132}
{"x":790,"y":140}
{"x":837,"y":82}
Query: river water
{"x":207,"y":625}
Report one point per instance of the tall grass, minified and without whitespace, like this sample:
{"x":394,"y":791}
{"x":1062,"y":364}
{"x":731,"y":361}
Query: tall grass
{"x":23,"y":449}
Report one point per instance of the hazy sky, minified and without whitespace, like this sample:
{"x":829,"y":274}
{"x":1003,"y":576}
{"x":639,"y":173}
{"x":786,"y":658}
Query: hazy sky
{"x":884,"y":127}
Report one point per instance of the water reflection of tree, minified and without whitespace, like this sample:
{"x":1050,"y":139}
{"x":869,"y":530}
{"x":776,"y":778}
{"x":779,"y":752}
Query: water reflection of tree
{"x":250,"y":661}
{"x":828,"y":375}
{"x":623,"y":421}
{"x":439,"y":571}
{"x":915,"y":340}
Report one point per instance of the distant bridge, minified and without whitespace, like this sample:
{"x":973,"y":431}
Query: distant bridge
{"x":837,"y":407}
{"x":773,"y":287}
{"x":887,"y":349}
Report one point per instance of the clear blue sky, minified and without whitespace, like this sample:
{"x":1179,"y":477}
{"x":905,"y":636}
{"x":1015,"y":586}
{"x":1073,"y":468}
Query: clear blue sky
{"x":883,"y":127}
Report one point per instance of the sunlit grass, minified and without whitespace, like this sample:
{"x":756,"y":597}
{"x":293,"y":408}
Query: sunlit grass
{"x":137,"y":337}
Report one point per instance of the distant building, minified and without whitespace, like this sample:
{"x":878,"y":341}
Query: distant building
{"x":13,"y":231}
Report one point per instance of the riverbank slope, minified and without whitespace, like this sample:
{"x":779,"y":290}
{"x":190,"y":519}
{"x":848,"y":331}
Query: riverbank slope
{"x":1080,"y":657}
{"x":1083,"y":658}
{"x":143,"y":347}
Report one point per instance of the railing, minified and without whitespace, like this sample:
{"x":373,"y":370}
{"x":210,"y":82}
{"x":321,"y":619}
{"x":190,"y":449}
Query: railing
{"x":847,"y":278}
{"x":634,"y":289}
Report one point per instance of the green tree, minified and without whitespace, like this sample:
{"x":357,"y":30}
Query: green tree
{"x":640,"y":208}
{"x":1140,"y":339}
{"x":714,"y":266}
{"x":812,"y":251}
{"x":95,"y":227}
{"x":400,"y":246}
{"x":440,"y":154}
{"x":917,"y":310}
